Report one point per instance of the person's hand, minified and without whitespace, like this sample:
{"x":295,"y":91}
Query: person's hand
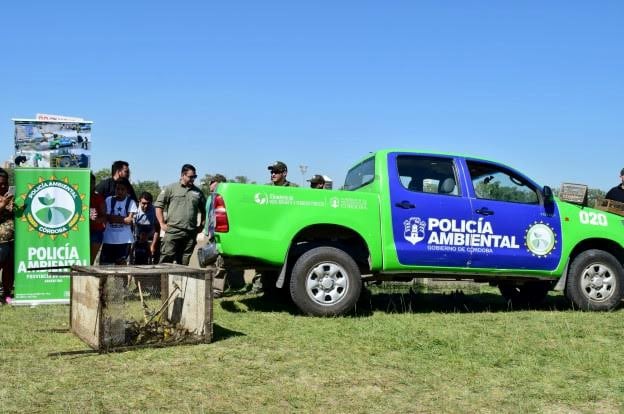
{"x":163,"y":227}
{"x":6,"y":202}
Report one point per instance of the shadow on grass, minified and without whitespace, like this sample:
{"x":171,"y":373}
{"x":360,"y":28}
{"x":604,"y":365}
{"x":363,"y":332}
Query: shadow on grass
{"x":405,"y":301}
{"x":258,"y":303}
{"x":448,"y":302}
{"x":219,"y":333}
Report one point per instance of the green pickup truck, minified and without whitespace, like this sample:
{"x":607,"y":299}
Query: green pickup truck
{"x":408,"y":214}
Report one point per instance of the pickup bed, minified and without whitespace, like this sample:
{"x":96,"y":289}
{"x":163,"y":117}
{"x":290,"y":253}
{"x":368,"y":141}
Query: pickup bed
{"x":406,"y":214}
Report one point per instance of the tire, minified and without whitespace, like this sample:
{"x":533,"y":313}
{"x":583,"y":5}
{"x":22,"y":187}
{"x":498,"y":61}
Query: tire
{"x":595,"y":281}
{"x":527,"y":294}
{"x":64,"y":162}
{"x":325,"y":281}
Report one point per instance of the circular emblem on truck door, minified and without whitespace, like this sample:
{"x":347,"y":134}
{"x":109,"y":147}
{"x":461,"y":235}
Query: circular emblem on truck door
{"x":540,"y":239}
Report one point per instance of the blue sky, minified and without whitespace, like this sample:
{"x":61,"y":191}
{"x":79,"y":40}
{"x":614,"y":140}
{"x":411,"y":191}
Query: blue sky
{"x":233,"y":86}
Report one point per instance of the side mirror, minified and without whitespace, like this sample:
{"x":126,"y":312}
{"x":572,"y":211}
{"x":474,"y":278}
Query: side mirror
{"x":548,"y":195}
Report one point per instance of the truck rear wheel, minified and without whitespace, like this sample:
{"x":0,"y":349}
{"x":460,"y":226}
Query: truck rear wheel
{"x":325,"y":281}
{"x":595,"y":281}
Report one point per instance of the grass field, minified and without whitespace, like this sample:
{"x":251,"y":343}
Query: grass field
{"x":431,"y":352}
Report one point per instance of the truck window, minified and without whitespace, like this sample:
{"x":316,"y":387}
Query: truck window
{"x":360,"y":175}
{"x":493,"y":182}
{"x":426,"y":174}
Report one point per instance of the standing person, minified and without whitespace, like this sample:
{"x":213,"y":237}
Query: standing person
{"x":97,"y":219}
{"x":264,"y":282}
{"x":233,"y":278}
{"x":279,"y":171}
{"x":617,"y":192}
{"x":209,"y":227}
{"x":317,"y":181}
{"x":147,"y":231}
{"x":183,"y":202}
{"x":119,"y":169}
{"x":120,"y":210}
{"x":7,"y":237}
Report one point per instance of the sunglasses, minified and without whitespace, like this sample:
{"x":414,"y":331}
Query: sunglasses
{"x":192,"y":176}
{"x":277,"y":172}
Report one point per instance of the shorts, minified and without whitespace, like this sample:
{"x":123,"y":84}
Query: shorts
{"x":97,"y":236}
{"x":114,"y":254}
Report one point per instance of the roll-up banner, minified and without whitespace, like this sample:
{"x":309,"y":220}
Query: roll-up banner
{"x":52,"y":159}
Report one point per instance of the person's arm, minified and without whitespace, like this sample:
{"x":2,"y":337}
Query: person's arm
{"x":156,"y":238}
{"x":101,"y":187}
{"x":6,"y":202}
{"x":161,"y":218}
{"x":161,"y":202}
{"x":132,"y":210}
{"x":202,"y":214}
{"x":100,"y":210}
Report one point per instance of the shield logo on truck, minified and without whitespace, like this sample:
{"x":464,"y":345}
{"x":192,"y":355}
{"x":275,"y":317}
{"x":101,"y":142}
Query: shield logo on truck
{"x":414,"y":230}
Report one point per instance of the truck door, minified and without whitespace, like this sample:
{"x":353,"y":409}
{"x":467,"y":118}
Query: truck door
{"x":428,"y":203}
{"x":516,"y":228}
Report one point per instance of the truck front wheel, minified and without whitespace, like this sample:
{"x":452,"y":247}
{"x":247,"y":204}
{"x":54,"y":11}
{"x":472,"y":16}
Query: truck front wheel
{"x":595,"y":281}
{"x":325,"y":281}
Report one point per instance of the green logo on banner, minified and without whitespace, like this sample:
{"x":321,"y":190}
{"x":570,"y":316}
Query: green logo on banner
{"x":53,"y":207}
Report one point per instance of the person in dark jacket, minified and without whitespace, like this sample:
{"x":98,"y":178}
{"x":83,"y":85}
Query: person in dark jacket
{"x":119,"y":169}
{"x":617,"y":192}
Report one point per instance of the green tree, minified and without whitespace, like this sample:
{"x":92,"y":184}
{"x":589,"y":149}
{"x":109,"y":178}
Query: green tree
{"x":243,"y":180}
{"x":593,"y":194}
{"x":150,"y":186}
{"x":101,"y":174}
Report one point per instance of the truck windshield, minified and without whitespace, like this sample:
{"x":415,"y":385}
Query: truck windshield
{"x":360,"y":175}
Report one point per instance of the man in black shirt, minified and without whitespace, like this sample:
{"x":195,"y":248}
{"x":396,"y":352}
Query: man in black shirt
{"x":617,"y":192}
{"x":119,"y":169}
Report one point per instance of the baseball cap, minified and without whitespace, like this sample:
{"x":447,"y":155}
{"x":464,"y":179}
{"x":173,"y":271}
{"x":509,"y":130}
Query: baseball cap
{"x":316,"y":179}
{"x":278,"y":166}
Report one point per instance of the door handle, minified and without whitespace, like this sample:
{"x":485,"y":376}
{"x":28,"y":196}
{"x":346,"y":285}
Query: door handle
{"x":484,"y":211}
{"x":405,"y":204}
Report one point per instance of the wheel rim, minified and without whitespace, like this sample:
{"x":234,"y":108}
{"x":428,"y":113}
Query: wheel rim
{"x":327,"y":283}
{"x":598,"y":282}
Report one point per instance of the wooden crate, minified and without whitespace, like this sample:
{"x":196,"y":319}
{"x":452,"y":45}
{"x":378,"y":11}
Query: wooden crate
{"x":573,"y":193}
{"x":611,"y":206}
{"x":100,"y":299}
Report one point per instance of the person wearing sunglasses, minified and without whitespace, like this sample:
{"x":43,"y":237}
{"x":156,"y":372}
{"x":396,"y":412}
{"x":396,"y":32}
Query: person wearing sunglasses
{"x":279,"y":171}
{"x":185,"y":205}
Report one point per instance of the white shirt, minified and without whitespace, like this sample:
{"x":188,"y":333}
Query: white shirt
{"x":117,"y":233}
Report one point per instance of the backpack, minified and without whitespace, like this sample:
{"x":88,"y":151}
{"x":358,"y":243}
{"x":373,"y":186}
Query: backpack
{"x":145,"y":222}
{"x":114,"y":201}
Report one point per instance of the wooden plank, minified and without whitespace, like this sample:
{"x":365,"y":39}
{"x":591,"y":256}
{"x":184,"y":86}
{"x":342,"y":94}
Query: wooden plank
{"x":84,"y":310}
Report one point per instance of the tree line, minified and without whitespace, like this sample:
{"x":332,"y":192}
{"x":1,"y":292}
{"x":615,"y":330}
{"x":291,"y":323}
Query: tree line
{"x":154,"y":188}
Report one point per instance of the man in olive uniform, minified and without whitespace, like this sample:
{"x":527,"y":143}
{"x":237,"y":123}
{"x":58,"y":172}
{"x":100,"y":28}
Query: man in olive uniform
{"x":264,"y":282}
{"x":182,"y":201}
{"x":279,"y":171}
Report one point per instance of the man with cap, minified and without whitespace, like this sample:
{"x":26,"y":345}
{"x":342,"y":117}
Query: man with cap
{"x":317,"y":181}
{"x":617,"y":192}
{"x":279,"y":171}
